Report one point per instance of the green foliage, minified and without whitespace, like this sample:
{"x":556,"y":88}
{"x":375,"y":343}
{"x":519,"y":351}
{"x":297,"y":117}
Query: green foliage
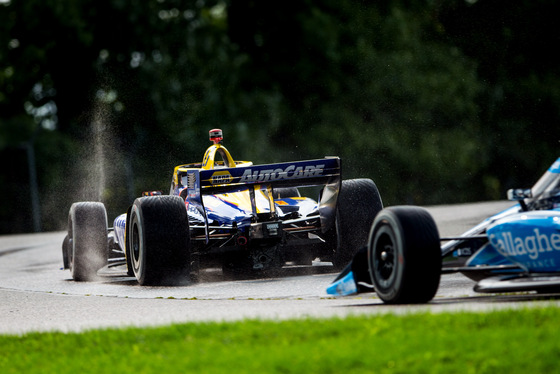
{"x":512,"y":341}
{"x":437,"y":102}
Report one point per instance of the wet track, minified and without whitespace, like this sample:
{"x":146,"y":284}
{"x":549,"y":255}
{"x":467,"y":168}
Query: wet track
{"x":36,"y":295}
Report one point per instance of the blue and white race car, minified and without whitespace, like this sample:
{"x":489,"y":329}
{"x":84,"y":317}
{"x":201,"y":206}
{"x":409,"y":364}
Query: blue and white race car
{"x":229,"y":214}
{"x":513,"y":251}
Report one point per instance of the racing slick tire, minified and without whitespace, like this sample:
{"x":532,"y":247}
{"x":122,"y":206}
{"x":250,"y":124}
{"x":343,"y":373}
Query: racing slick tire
{"x":281,"y":193}
{"x":159,"y":241}
{"x":66,"y":248}
{"x":86,"y":244}
{"x":359,"y":202}
{"x":404,"y":255}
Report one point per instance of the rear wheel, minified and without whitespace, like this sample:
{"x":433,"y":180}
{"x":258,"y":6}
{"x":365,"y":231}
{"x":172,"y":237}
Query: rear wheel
{"x":159,"y":240}
{"x":87,"y":240}
{"x":282,"y":193}
{"x":404,"y":255}
{"x":66,"y":248}
{"x":359,"y":202}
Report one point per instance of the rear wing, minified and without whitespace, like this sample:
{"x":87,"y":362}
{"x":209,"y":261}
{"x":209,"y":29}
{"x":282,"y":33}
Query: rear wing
{"x":326,"y":171}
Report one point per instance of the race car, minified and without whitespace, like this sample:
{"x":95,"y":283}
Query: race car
{"x":513,"y":251}
{"x":224,"y":213}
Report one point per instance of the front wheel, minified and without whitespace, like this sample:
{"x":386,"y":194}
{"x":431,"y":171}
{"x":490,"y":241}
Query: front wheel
{"x":404,"y":255}
{"x":159,"y":240}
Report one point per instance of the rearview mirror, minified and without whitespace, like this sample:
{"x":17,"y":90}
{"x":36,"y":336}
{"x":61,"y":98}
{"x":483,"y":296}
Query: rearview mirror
{"x":518,"y":194}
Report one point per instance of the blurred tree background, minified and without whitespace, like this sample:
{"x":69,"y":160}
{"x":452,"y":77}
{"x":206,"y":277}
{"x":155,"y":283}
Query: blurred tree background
{"x":437,"y":101}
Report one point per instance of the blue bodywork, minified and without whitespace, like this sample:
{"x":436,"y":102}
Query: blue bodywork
{"x":530,"y":240}
{"x":524,"y":238}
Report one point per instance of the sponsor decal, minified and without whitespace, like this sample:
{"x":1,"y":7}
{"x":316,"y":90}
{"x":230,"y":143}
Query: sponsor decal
{"x":268,"y":175}
{"x":529,"y":245}
{"x":194,"y":211}
{"x":221,"y":177}
{"x":120,"y":225}
{"x":207,"y":156}
{"x":120,"y":221}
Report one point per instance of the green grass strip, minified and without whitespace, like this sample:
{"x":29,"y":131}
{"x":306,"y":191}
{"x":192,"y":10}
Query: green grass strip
{"x":510,"y":341}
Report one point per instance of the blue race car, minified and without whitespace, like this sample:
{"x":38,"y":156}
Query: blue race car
{"x":224,"y":213}
{"x":515,"y":250}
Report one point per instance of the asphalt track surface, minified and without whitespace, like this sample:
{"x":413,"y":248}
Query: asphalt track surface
{"x":37,"y":295}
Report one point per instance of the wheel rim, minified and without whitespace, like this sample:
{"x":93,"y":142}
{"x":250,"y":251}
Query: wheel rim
{"x":135,"y":245}
{"x":135,"y":249}
{"x":385,"y":258}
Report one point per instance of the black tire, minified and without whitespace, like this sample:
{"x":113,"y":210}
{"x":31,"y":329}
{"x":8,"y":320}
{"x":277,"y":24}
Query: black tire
{"x":281,"y":193}
{"x":358,"y":204}
{"x":404,"y":255}
{"x":66,"y":248}
{"x":159,"y":241}
{"x":87,"y":240}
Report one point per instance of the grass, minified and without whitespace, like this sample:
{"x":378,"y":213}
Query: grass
{"x":510,"y":341}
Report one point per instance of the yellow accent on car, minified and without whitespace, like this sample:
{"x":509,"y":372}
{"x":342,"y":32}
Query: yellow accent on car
{"x":209,"y":157}
{"x":242,"y":199}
